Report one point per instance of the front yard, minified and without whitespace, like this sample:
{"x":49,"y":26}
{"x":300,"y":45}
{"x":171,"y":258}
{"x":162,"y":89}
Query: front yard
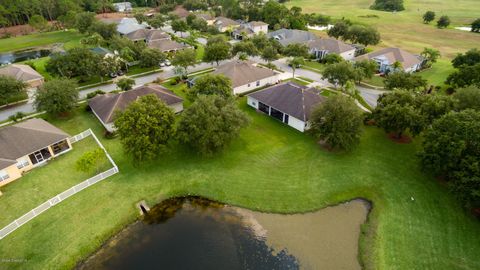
{"x":271,"y":168}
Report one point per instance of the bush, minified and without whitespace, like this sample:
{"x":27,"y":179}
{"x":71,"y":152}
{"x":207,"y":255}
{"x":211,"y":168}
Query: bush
{"x":95,"y":93}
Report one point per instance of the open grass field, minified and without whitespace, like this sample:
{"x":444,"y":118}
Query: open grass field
{"x":272,"y":168}
{"x":69,"y":38}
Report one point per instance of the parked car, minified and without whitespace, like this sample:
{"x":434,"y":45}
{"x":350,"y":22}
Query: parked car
{"x":167,"y":63}
{"x":162,"y":64}
{"x":113,"y":75}
{"x":120,"y":73}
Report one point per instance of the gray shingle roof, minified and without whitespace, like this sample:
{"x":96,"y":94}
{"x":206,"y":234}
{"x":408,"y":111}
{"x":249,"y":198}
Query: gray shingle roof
{"x":147,"y":34}
{"x":243,"y":72}
{"x":407,"y":59}
{"x":22,"y":73}
{"x":225,"y":22}
{"x":165,"y":45}
{"x":329,"y":44}
{"x":290,"y":36}
{"x":25,"y":138}
{"x":105,"y":106}
{"x":291,"y":98}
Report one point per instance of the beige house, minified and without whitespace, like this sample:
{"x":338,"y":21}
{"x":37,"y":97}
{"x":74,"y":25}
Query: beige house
{"x":105,"y":106}
{"x":224,"y":24}
{"x":387,"y":57}
{"x":207,"y":17}
{"x":27,"y":145}
{"x":157,"y":39}
{"x":250,"y":29}
{"x":321,"y":47}
{"x":23,"y":73}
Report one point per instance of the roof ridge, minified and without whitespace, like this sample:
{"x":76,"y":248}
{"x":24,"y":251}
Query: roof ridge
{"x":161,"y":89}
{"x":115,"y":105}
{"x":7,"y":159}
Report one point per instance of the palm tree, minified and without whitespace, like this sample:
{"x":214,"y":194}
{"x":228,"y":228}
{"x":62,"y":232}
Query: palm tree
{"x":295,"y":63}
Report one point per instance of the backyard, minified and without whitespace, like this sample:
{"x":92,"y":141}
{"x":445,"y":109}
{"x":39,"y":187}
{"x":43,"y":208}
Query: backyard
{"x":70,"y":39}
{"x":271,"y":168}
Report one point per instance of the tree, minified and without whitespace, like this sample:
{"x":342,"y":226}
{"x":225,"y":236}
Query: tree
{"x":217,"y":51}
{"x":340,"y":73}
{"x":274,"y":13}
{"x":388,"y":5}
{"x":338,"y":30}
{"x":210,"y":124}
{"x":332,"y":58}
{"x":443,"y":22}
{"x":396,"y":112}
{"x":145,"y":128}
{"x":93,"y":40}
{"x":211,"y":84}
{"x":466,"y":98}
{"x":454,"y":155}
{"x":38,"y":22}
{"x":476,"y":26}
{"x":151,"y":57}
{"x":246,"y":47}
{"x":433,"y":106}
{"x":366,"y":68}
{"x":470,"y":58}
{"x":84,"y":20}
{"x":106,"y":30}
{"x":157,"y":21}
{"x":91,"y":161}
{"x":125,"y":84}
{"x":67,"y":20}
{"x":269,"y":54}
{"x":296,"y":50}
{"x":338,"y":122}
{"x":10,"y":87}
{"x":294,"y":63}
{"x":430,"y":55}
{"x":77,"y":62}
{"x":179,"y":26}
{"x":364,"y":35}
{"x":465,"y":76}
{"x":405,"y":81}
{"x":57,"y":96}
{"x":184,"y":59}
{"x":428,"y":16}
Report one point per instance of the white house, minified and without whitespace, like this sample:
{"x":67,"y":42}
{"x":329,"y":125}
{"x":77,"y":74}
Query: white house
{"x":288,"y":102}
{"x":105,"y":106}
{"x":321,"y":47}
{"x":387,"y":57}
{"x":128,"y":25}
{"x":123,"y":6}
{"x":249,"y":29}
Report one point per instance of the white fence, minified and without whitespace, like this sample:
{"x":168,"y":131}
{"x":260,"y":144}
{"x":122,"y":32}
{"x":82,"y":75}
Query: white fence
{"x":64,"y":195}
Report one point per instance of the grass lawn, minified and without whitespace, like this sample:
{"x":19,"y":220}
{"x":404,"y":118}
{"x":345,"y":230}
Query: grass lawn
{"x":314,"y":66}
{"x":272,"y":168}
{"x":297,"y":81}
{"x":405,"y":29}
{"x":200,"y":52}
{"x":438,"y":73}
{"x":70,"y":38}
{"x":375,"y":81}
{"x":41,"y":184}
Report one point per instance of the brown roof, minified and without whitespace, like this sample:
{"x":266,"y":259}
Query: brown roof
{"x":106,"y":105}
{"x":243,"y":72}
{"x":394,"y":54}
{"x":205,"y":16}
{"x":291,"y":98}
{"x":165,"y":45}
{"x":25,"y":138}
{"x":329,"y":44}
{"x":180,"y":12}
{"x":147,"y":34}
{"x":20,"y":72}
{"x":257,"y":23}
{"x":225,"y":22}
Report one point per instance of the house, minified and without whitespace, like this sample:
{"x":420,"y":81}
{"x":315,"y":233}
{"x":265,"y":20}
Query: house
{"x":250,"y":29}
{"x":224,"y":24}
{"x":291,"y":36}
{"x":387,"y":57}
{"x":156,"y":39}
{"x":207,"y":17}
{"x":128,"y":25}
{"x":27,"y":145}
{"x":104,"y":53}
{"x":23,"y":73}
{"x":321,"y":47}
{"x":123,"y":6}
{"x":180,"y":12}
{"x":105,"y":106}
{"x":245,"y":76}
{"x":288,"y":102}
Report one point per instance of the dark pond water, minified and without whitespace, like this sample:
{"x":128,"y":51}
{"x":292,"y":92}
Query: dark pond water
{"x":194,"y":233}
{"x":19,"y":56}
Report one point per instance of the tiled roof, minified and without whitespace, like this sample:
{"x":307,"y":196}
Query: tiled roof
{"x":106,"y":105}
{"x":25,"y":138}
{"x":291,"y":98}
{"x":243,"y":72}
{"x":407,"y":59}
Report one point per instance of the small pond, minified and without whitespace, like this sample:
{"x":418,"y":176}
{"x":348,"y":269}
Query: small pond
{"x":195,"y":233}
{"x":19,"y":56}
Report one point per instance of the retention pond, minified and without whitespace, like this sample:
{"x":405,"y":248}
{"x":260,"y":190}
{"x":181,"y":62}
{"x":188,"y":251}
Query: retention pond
{"x":195,"y":233}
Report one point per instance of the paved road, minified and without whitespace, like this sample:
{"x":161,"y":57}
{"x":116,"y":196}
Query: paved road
{"x":167,"y":73}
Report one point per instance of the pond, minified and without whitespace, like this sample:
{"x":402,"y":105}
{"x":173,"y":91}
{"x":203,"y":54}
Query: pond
{"x":19,"y":56}
{"x":195,"y":233}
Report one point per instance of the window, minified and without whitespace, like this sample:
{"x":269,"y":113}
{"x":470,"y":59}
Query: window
{"x":4,"y":176}
{"x":248,"y":85}
{"x":22,"y":163}
{"x":258,"y":83}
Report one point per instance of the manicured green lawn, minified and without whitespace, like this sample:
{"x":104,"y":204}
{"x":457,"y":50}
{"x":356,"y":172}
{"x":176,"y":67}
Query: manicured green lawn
{"x":405,"y":29}
{"x":439,"y":72}
{"x":273,"y":168}
{"x":200,"y":52}
{"x":375,"y":81}
{"x":70,"y":38}
{"x":314,"y":66}
{"x":43,"y":183}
